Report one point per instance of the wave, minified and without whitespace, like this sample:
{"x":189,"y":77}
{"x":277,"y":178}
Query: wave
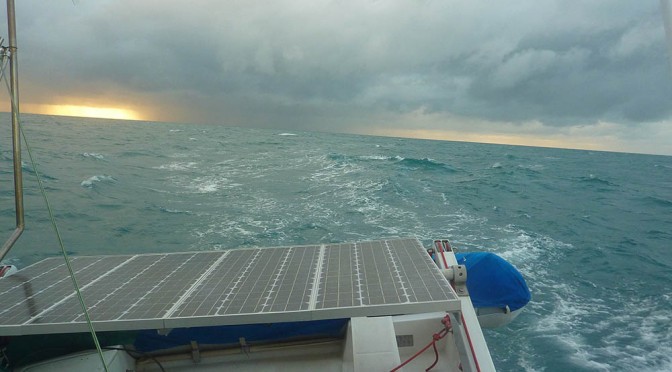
{"x":154,"y":207}
{"x":277,"y":142}
{"x":174,"y":211}
{"x":658,"y":234}
{"x":575,"y":317}
{"x":425,"y":164}
{"x":182,"y":155}
{"x":595,"y":180}
{"x":656,"y":201}
{"x":210,"y":184}
{"x":28,"y":168}
{"x":361,"y":158}
{"x":133,"y":154}
{"x":286,"y":134}
{"x":93,"y":155}
{"x":375,"y":157}
{"x":536,"y":168}
{"x":92,"y":181}
{"x":413,"y":163}
{"x":641,"y":323}
{"x":177,"y":166}
{"x":339,"y":157}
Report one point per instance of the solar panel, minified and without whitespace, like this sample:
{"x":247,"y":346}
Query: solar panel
{"x":241,"y":286}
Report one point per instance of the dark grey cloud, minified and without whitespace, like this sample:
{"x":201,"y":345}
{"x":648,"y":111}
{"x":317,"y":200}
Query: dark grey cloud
{"x":333,"y":65}
{"x":617,"y":74}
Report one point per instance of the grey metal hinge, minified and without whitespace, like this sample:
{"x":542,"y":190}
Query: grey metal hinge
{"x":457,"y":275}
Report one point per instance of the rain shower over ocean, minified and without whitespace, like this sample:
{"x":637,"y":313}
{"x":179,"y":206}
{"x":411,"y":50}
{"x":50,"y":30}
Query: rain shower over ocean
{"x":590,"y":231}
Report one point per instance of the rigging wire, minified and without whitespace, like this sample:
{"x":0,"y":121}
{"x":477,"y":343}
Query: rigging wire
{"x":52,"y":218}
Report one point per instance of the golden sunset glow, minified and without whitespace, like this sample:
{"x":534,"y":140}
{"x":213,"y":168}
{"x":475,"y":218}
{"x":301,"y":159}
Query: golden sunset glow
{"x":557,"y":141}
{"x":89,"y":112}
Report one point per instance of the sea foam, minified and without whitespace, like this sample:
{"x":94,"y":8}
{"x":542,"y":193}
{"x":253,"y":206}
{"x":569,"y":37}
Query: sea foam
{"x":91,"y":181}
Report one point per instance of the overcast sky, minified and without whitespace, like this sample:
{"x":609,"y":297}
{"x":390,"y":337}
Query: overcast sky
{"x":579,"y":74}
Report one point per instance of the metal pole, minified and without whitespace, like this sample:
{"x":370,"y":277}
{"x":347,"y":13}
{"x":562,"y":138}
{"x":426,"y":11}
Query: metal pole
{"x":16,"y":131}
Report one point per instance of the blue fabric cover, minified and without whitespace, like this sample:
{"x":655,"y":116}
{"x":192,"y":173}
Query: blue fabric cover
{"x":493,"y":282}
{"x":150,"y":340}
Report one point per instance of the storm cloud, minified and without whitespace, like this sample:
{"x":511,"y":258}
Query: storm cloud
{"x":534,"y":69}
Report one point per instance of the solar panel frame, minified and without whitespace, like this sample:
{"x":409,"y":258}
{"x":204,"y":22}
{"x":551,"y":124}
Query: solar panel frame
{"x":241,"y":286}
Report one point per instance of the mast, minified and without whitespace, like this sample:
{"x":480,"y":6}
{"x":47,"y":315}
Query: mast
{"x":16,"y":131}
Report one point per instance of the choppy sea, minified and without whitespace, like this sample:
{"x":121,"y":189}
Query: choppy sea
{"x":590,"y":231}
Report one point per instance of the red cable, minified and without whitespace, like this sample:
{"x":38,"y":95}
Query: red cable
{"x":471,"y":345}
{"x":436,"y":358}
{"x":435,"y":337}
{"x":413,"y":357}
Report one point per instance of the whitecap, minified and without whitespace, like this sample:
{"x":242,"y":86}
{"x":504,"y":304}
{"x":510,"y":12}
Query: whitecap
{"x":93,"y":155}
{"x":208,"y":187}
{"x":174,"y":211}
{"x":177,"y":166}
{"x":210,"y":184}
{"x":374,"y":157}
{"x":497,"y":165}
{"x":286,"y":134}
{"x":91,"y":181}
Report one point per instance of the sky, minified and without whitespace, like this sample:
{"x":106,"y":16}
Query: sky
{"x":567,"y":73}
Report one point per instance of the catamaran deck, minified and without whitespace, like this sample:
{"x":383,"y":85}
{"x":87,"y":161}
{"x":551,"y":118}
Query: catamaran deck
{"x":240,"y":286}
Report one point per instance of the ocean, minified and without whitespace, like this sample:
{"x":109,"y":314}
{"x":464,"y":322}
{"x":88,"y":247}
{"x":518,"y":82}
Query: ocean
{"x":590,"y":231}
